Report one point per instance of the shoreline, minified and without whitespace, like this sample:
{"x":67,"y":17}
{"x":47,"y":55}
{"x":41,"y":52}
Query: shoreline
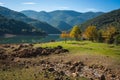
{"x":21,"y":39}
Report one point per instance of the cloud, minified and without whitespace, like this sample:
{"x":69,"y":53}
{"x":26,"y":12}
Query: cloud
{"x":29,"y":3}
{"x":1,"y":3}
{"x":90,"y":9}
{"x":63,"y":7}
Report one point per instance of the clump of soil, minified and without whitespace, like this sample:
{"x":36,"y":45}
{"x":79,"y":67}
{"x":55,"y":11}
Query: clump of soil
{"x":27,"y":51}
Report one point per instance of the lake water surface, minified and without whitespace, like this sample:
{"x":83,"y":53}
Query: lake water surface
{"x":29,"y":39}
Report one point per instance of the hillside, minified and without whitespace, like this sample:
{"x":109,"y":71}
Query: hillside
{"x":66,"y":16}
{"x":21,"y":17}
{"x":61,"y":25}
{"x":11,"y":26}
{"x":110,"y":18}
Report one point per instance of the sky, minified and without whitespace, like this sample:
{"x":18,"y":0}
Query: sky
{"x":50,"y":5}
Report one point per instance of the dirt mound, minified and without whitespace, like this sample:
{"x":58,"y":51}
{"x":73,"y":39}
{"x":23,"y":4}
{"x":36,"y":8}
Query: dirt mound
{"x":27,"y":51}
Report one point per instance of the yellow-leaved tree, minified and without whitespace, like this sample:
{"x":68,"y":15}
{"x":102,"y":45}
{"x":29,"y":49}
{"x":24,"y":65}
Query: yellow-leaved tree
{"x":109,"y":33}
{"x":91,"y":33}
{"x":76,"y":33}
{"x":64,"y":35}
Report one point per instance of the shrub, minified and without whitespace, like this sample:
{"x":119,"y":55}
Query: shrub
{"x":117,"y":39}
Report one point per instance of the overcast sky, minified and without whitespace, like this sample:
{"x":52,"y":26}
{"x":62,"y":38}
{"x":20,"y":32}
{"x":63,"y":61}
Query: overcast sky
{"x":50,"y":5}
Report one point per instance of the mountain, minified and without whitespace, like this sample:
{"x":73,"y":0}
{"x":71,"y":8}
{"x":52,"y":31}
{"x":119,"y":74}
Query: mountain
{"x":21,"y":17}
{"x":102,"y":21}
{"x":11,"y":26}
{"x":63,"y":26}
{"x":67,"y":17}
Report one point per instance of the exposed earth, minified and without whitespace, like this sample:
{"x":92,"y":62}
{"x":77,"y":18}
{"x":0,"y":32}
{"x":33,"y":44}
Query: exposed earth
{"x":28,"y":62}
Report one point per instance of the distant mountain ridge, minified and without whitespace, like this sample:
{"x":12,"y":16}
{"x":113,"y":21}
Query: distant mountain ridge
{"x":11,"y":26}
{"x":21,"y":17}
{"x":67,"y":17}
{"x":108,"y":19}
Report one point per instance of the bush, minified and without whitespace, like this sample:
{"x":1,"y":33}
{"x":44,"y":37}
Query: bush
{"x":117,"y":40}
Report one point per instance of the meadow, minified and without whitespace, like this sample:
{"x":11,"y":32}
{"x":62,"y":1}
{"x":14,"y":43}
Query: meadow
{"x":87,"y":52}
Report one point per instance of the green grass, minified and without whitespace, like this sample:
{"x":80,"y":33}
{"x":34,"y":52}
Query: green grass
{"x":100,"y":53}
{"x":86,"y":47}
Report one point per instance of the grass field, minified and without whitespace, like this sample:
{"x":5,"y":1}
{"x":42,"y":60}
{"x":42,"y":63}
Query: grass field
{"x":95,"y":52}
{"x":86,"y":47}
{"x":85,"y":51}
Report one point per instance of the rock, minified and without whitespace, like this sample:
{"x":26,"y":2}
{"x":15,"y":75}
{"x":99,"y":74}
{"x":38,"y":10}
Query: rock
{"x":59,"y":47}
{"x":46,"y":75}
{"x":16,"y":49}
{"x":51,"y":69}
{"x":68,"y":63}
{"x":75,"y":63}
{"x":3,"y":56}
{"x":58,"y":51}
{"x":72,"y":69}
{"x":57,"y":78}
{"x":62,"y":73}
{"x":91,"y":79}
{"x":6,"y":46}
{"x":113,"y":76}
{"x":42,"y":62}
{"x":65,"y":50}
{"x":74,"y":74}
{"x":26,"y":66}
{"x":102,"y":77}
{"x":44,"y":52}
{"x":67,"y":78}
{"x":31,"y":45}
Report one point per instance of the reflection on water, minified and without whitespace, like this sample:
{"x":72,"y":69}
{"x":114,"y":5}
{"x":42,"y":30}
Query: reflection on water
{"x":28,"y":39}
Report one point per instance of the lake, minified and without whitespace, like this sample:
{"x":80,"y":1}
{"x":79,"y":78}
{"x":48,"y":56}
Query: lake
{"x":29,"y":39}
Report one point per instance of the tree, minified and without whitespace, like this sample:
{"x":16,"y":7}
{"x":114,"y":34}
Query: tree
{"x":99,"y":36}
{"x":117,"y":39}
{"x":75,"y":33}
{"x":109,"y":34}
{"x":91,"y":33}
{"x":64,"y":35}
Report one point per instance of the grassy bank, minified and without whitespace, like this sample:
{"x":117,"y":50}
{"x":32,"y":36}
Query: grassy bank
{"x":86,"y":48}
{"x":89,"y":52}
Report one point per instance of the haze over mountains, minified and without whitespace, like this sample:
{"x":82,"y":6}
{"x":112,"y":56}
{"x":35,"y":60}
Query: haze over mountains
{"x":61,"y":19}
{"x":10,"y":14}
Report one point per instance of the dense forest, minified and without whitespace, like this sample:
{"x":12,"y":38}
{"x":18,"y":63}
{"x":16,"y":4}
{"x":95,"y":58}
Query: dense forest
{"x":108,"y":19}
{"x":21,"y":17}
{"x":11,"y":26}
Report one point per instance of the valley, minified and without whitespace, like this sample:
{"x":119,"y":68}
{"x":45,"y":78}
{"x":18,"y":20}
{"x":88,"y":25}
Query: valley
{"x":60,"y":40}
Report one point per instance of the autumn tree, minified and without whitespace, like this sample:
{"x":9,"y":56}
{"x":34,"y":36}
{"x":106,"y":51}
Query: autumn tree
{"x":91,"y":33}
{"x":76,"y":33}
{"x":99,"y":36}
{"x":109,"y":34}
{"x":64,"y":35}
{"x":117,"y":39}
